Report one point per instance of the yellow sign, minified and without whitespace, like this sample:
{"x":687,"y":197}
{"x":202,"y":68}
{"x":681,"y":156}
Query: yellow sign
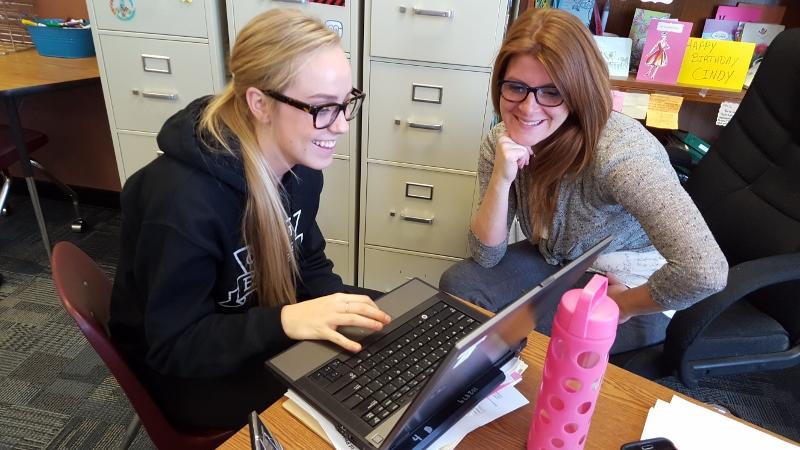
{"x":662,"y":111}
{"x":716,"y":64}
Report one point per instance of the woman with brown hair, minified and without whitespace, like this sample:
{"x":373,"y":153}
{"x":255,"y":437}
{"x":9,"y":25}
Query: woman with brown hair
{"x":222,"y":262}
{"x":573,"y":172}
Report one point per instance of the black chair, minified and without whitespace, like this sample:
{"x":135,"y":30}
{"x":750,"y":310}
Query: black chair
{"x":748,"y":189}
{"x":34,"y":140}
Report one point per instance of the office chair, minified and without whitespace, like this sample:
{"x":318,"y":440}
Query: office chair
{"x":85,"y":292}
{"x":34,"y":140}
{"x":748,"y":189}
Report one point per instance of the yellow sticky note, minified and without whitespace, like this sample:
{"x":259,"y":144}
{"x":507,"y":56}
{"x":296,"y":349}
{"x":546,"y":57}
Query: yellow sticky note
{"x":716,"y":64}
{"x":635,"y":105}
{"x":662,"y":111}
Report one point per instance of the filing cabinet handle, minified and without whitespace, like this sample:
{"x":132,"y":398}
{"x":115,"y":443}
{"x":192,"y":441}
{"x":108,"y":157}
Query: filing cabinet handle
{"x":158,"y":95}
{"x":428,"y":220}
{"x":426,"y":126}
{"x":432,"y":12}
{"x":165,"y":59}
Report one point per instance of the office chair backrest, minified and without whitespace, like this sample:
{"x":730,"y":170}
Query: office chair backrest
{"x":85,"y":292}
{"x":748,"y":185}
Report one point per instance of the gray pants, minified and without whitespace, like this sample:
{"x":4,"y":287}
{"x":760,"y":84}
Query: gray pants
{"x":520,"y":270}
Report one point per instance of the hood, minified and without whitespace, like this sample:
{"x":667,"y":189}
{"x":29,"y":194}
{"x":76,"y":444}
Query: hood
{"x":178,"y":140}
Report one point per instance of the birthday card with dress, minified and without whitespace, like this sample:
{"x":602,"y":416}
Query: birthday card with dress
{"x":663,"y":51}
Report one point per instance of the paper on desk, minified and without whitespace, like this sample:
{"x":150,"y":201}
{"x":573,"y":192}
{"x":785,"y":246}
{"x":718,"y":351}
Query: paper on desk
{"x":501,"y":401}
{"x":693,"y":427}
{"x":513,"y":370}
{"x":662,"y":111}
{"x":635,"y":105}
{"x":336,"y":439}
{"x":496,"y":405}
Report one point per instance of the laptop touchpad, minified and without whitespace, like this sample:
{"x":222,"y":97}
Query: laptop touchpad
{"x":395,"y":303}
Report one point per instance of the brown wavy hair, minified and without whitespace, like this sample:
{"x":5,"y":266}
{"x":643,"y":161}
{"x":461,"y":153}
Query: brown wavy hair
{"x":570,"y":56}
{"x":268,"y":53}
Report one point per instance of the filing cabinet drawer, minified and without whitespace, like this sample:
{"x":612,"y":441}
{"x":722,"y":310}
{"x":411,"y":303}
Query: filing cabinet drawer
{"x":384,"y":270}
{"x":172,"y":17}
{"x":339,"y":253}
{"x":336,"y":18}
{"x":150,"y":79}
{"x":137,"y":151}
{"x":446,"y":31}
{"x":427,"y":116}
{"x":419,"y":210}
{"x":333,"y":214}
{"x":344,"y":142}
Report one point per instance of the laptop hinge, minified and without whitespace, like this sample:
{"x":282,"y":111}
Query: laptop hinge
{"x":427,"y":432}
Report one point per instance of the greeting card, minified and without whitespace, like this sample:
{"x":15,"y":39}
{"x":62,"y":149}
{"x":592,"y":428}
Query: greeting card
{"x":582,"y":9}
{"x":723,"y":30}
{"x":716,"y":64}
{"x":767,"y":13}
{"x":617,"y":53}
{"x":737,"y":13}
{"x":663,"y":51}
{"x":638,"y":34}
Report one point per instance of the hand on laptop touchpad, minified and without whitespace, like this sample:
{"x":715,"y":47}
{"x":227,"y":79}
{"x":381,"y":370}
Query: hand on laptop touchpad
{"x":355,"y":333}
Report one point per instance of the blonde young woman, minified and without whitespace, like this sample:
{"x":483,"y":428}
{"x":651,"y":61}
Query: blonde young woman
{"x":222,"y":262}
{"x":573,"y":172}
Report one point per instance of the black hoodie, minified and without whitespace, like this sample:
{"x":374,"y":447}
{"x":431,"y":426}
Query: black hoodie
{"x":183,"y":301}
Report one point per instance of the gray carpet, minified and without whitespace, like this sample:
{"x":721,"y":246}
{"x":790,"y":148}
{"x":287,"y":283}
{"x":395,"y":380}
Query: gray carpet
{"x":56,"y":393}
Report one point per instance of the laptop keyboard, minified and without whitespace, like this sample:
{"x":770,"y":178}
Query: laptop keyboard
{"x":389,"y":372}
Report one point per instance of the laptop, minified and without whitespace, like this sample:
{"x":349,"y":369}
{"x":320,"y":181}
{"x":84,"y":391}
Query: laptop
{"x":431,"y":365}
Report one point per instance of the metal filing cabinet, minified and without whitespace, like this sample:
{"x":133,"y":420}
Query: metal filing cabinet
{"x":154,"y":58}
{"x":337,"y":212}
{"x":427,"y":69}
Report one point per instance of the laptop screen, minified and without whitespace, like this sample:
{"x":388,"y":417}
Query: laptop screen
{"x":493,"y":343}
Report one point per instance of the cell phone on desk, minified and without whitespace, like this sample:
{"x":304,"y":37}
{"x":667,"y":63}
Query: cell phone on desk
{"x":659,"y":443}
{"x":260,"y":437}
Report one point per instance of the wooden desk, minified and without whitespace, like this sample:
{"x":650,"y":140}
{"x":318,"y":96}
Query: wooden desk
{"x":621,"y":411}
{"x":27,"y":72}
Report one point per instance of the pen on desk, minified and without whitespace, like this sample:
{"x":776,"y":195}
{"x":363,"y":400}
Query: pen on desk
{"x":261,"y":436}
{"x":274,"y":442}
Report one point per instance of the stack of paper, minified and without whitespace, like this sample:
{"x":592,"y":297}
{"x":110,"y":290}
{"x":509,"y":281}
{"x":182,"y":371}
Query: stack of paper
{"x":691,"y":427}
{"x":502,"y":401}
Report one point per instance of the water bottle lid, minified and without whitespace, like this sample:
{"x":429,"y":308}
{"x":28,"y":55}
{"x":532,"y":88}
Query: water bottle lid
{"x":589,"y":312}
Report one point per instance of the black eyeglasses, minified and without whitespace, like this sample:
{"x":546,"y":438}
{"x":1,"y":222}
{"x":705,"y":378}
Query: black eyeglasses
{"x":324,"y":115}
{"x":515,"y":91}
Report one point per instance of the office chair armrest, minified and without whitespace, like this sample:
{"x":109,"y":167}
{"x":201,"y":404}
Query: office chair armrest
{"x":743,"y":279}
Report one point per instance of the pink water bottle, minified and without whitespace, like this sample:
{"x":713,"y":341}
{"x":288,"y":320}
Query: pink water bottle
{"x":584,"y":328}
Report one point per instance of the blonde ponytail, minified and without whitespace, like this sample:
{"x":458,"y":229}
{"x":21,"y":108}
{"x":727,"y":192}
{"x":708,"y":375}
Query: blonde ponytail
{"x":267,"y":55}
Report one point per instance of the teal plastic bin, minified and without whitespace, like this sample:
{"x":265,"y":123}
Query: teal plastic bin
{"x":62,"y":42}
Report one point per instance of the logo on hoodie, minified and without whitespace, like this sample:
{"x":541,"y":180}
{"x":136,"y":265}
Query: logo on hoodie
{"x":293,"y":223}
{"x":244,"y":282}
